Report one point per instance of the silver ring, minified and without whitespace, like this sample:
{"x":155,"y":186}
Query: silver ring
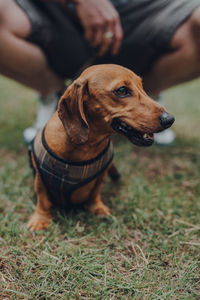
{"x":108,"y":35}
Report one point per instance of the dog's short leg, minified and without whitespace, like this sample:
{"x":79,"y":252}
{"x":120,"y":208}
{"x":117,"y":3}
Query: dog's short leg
{"x":41,"y":218}
{"x":97,"y":207}
{"x":95,"y":204}
{"x":113,"y":173}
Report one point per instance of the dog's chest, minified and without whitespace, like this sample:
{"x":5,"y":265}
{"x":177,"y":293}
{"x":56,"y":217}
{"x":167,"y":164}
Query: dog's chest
{"x":62,"y":177}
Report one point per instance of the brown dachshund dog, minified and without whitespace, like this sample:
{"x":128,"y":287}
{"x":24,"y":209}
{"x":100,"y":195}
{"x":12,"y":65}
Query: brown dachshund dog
{"x":104,"y":100}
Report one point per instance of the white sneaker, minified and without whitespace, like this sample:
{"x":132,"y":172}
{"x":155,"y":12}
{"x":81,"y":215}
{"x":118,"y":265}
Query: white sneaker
{"x":165,"y":138}
{"x":46,"y":107}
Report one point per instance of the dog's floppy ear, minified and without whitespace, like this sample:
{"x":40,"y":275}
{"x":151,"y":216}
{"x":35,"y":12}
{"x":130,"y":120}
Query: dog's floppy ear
{"x":71,"y":112}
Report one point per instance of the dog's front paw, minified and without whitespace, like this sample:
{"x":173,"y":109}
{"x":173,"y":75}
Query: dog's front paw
{"x":38,"y":222}
{"x":99,"y":209}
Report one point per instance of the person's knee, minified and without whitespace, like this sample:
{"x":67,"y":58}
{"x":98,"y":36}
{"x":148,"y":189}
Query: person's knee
{"x":13,"y":19}
{"x":186,"y":38}
{"x":2,"y":13}
{"x":195,"y":32}
{"x":195,"y":19}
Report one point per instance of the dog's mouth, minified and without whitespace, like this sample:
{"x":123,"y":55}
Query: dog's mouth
{"x":136,"y":137}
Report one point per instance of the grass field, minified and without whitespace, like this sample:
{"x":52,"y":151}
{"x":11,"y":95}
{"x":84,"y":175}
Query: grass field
{"x":148,"y":249}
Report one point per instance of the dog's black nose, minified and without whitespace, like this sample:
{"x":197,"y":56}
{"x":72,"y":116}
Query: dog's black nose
{"x":166,"y":120}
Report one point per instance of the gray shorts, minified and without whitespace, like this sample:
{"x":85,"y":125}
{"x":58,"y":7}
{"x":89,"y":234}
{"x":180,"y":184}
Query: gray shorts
{"x":148,"y":27}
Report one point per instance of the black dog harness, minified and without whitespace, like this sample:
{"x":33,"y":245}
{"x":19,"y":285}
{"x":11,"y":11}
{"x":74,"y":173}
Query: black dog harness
{"x":62,"y":177}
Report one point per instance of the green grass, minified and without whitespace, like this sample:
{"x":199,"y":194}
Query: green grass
{"x":148,"y":249}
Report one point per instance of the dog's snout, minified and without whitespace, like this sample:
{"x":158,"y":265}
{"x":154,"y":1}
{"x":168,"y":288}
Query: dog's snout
{"x":166,"y":120}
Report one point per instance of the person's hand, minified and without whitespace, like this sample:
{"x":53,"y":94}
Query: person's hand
{"x":101,"y":23}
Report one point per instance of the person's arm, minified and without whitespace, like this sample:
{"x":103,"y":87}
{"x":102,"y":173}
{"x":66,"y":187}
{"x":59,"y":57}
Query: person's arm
{"x":101,"y":23}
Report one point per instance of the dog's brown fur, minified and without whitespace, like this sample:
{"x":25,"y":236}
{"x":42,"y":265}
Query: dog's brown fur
{"x":80,"y":128}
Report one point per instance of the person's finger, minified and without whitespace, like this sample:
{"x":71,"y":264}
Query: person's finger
{"x":118,"y":36}
{"x":104,"y":47}
{"x":107,"y":40}
{"x":89,"y":34}
{"x":97,"y":37}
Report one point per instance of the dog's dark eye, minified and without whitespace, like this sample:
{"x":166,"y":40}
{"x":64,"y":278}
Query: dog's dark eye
{"x":123,"y":92}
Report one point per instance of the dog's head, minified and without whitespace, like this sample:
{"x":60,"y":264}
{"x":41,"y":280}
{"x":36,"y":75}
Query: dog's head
{"x":108,"y":99}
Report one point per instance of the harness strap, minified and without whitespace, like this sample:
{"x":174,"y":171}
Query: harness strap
{"x":61,"y":176}
{"x":108,"y":147}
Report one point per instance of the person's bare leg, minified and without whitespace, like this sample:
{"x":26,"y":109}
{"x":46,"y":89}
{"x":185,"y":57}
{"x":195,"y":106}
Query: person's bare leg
{"x":183,"y":64}
{"x":19,"y":59}
{"x":26,"y":63}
